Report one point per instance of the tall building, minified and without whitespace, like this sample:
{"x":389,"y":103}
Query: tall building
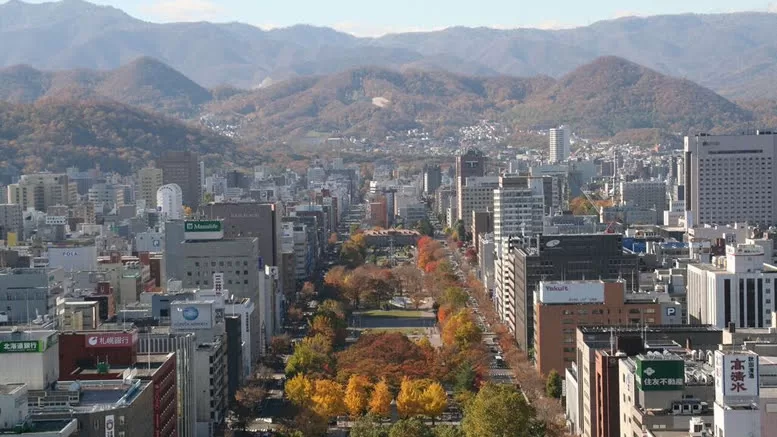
{"x":432,"y":178}
{"x":738,"y":288}
{"x":518,"y":212}
{"x":470,"y":164}
{"x":250,"y":219}
{"x":10,"y":220}
{"x":149,"y":181}
{"x":39,"y":191}
{"x":477,"y":194}
{"x":183,"y":169}
{"x":563,"y":258}
{"x":731,"y":179}
{"x":645,"y":194}
{"x":559,"y":144}
{"x":106,"y":195}
{"x":590,"y":302}
{"x":169,"y":200}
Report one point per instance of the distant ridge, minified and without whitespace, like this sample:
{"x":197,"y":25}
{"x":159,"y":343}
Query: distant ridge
{"x":734,"y":54}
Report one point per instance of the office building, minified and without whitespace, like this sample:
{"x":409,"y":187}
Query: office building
{"x":738,"y":288}
{"x":482,"y":223}
{"x":106,"y":196}
{"x":10,"y":220}
{"x":645,"y":194}
{"x":183,"y":169}
{"x":518,"y":207}
{"x":663,"y":392}
{"x":432,"y":179}
{"x":591,"y":302}
{"x":162,"y":340}
{"x":476,"y":195}
{"x":470,"y":164}
{"x":563,"y":258}
{"x":731,"y":179}
{"x":39,"y":191}
{"x":250,"y":220}
{"x":194,"y":262}
{"x":30,"y":357}
{"x":25,"y":294}
{"x":149,"y":181}
{"x":588,"y":384}
{"x":558,"y":144}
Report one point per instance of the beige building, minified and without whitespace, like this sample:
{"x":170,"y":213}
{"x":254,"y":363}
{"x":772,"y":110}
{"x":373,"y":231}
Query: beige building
{"x":42,"y":190}
{"x":149,"y":181}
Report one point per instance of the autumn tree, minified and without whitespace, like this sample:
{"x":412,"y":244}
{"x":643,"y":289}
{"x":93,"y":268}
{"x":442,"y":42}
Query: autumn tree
{"x":323,"y":326}
{"x":553,"y":385}
{"x":248,"y":401}
{"x":299,"y":390}
{"x":308,"y":423}
{"x":461,"y":330}
{"x":500,"y":410}
{"x":280,"y":344}
{"x":380,"y":401}
{"x":456,"y":297}
{"x":389,"y":355}
{"x":434,"y":400}
{"x":328,"y":398}
{"x":410,"y":398}
{"x":311,"y":355}
{"x":356,"y":396}
{"x":308,"y":291}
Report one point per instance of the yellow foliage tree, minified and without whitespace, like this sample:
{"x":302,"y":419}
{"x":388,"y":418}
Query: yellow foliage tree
{"x":435,"y":400}
{"x":299,"y":390}
{"x":356,"y":398}
{"x":328,"y":398}
{"x":380,"y":402}
{"x":410,"y":398}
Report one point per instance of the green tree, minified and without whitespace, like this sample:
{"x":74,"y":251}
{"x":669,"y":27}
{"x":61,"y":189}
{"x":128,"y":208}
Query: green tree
{"x":369,"y":426}
{"x":461,"y":231}
{"x":553,"y":384}
{"x":448,"y":431}
{"x":465,"y":378}
{"x":312,"y":355}
{"x":410,"y":428}
{"x":424,"y":227}
{"x":500,"y":411}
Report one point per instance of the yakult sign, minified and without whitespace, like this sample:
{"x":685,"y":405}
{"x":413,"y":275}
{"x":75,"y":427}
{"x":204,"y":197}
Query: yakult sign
{"x":571,"y":292}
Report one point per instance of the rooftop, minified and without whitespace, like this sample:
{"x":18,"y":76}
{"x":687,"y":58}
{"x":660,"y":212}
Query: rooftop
{"x":6,"y":389}
{"x":630,"y":329}
{"x":8,"y":334}
{"x":46,"y":426}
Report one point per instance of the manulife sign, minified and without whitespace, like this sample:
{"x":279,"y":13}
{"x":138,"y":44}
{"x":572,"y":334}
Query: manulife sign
{"x":203,"y":230}
{"x":660,"y":374}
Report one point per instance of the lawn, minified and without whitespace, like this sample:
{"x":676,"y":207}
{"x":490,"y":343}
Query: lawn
{"x":398,"y":314}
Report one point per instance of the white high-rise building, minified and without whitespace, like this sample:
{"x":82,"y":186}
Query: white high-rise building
{"x":559,"y":144}
{"x":169,"y":199}
{"x":731,"y":179}
{"x":519,"y":205}
{"x":738,"y":288}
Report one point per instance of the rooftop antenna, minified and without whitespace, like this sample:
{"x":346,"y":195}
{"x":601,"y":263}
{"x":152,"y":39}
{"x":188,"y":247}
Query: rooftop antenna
{"x":612,"y":341}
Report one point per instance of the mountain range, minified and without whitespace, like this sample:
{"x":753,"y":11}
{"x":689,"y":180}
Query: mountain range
{"x":734,"y":54}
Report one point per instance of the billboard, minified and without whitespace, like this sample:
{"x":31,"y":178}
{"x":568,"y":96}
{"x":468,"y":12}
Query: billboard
{"x":110,"y":339}
{"x":191,"y":315}
{"x":660,"y":374}
{"x":571,"y":292}
{"x":21,"y":347}
{"x":736,"y":378}
{"x":73,"y":259}
{"x":203,"y":230}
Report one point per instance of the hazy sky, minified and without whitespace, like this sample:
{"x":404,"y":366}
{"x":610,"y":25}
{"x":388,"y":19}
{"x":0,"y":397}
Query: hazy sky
{"x":376,"y":17}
